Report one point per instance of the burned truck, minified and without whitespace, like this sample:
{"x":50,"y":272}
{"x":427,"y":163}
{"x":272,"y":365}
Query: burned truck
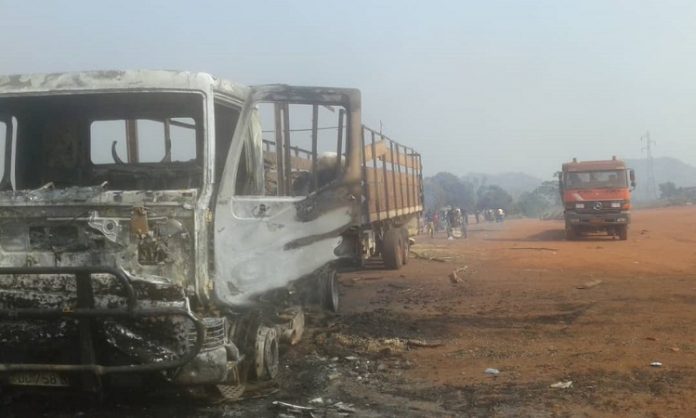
{"x":162,"y":226}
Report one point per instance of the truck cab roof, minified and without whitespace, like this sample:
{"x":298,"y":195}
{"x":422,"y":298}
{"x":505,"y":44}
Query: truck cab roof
{"x":598,"y":165}
{"x":96,"y":81}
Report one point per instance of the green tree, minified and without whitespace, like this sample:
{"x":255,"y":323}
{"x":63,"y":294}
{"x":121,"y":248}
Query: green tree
{"x":540,"y":200}
{"x":494,"y":197}
{"x":532,"y":204}
{"x":549,"y":190}
{"x":445,"y":189}
{"x":668,"y":190}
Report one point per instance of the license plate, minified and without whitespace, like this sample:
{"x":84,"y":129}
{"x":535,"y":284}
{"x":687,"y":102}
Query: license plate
{"x":38,"y":379}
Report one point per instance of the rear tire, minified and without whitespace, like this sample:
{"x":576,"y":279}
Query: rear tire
{"x":405,"y":246}
{"x":623,"y":232}
{"x":392,"y":249}
{"x":328,"y":291}
{"x":571,"y":233}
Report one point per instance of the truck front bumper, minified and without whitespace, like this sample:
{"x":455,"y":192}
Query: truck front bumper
{"x":597,"y":219}
{"x":156,"y":335}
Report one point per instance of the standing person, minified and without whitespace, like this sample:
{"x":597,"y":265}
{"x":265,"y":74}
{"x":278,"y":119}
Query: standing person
{"x":436,"y":221}
{"x":477,"y":213}
{"x":499,"y":214}
{"x":450,"y":223}
{"x":465,"y":224}
{"x":454,"y":219}
{"x":429,"y":224}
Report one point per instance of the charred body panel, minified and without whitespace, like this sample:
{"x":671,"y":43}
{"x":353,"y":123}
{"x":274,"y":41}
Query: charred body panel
{"x":135,"y":232}
{"x":278,"y":239}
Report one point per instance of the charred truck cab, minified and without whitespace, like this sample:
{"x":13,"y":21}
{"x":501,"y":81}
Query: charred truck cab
{"x":597,"y":197}
{"x":155,"y":224}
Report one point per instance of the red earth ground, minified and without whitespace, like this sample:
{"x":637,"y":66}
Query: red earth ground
{"x":540,"y":309}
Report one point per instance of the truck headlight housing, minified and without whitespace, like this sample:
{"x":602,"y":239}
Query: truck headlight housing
{"x":579,"y":206}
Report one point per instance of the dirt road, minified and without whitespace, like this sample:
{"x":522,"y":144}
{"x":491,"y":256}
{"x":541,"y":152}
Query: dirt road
{"x":540,"y":310}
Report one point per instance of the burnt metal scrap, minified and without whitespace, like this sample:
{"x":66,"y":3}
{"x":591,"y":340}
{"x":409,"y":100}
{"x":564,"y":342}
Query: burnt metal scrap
{"x":116,"y":260}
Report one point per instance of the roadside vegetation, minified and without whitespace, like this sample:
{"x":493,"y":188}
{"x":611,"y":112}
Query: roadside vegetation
{"x":475,"y":194}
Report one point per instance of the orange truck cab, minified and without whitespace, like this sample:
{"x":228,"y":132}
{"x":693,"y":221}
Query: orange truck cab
{"x":596,"y":197}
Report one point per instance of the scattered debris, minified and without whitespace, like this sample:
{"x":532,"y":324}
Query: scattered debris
{"x":655,"y":364}
{"x":397,"y":286}
{"x":651,"y":338}
{"x":675,"y":349}
{"x":317,"y":401}
{"x":344,"y":407}
{"x":423,"y":344}
{"x":430,"y":258}
{"x":380,"y":345}
{"x":492,"y":372}
{"x":297,"y":409}
{"x":562,"y":385}
{"x":454,"y":275}
{"x":590,"y":284}
{"x":534,"y":248}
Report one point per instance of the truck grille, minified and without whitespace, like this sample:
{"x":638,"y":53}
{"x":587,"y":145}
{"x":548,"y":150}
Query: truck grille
{"x":598,"y":206}
{"x":214,"y":334}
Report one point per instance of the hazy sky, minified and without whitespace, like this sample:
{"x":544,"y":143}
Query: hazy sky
{"x":482,"y":86}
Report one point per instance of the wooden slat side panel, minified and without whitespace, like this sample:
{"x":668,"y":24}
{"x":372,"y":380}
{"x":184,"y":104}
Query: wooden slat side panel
{"x":382,"y":152}
{"x":377,"y":201}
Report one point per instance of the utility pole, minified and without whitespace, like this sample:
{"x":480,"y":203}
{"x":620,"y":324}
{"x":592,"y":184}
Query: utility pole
{"x":651,"y":188}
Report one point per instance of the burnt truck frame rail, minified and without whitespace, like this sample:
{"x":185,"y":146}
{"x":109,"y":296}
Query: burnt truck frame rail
{"x":85,"y":311}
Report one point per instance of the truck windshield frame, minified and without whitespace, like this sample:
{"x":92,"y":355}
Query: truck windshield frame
{"x":58,"y":129}
{"x":596,"y":179}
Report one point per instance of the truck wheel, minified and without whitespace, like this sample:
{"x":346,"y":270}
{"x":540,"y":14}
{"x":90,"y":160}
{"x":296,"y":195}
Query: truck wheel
{"x":392,"y":251}
{"x":570,"y":233}
{"x":266,"y":353}
{"x":328,"y":291}
{"x":623,"y":232}
{"x":405,"y":246}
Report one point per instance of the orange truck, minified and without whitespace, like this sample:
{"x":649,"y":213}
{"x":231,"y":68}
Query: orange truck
{"x":596,"y":197}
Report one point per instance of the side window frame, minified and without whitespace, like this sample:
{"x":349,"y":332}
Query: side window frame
{"x":131,"y":132}
{"x":9,"y":133}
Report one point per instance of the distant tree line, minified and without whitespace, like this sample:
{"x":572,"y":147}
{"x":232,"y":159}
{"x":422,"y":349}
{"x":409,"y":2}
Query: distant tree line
{"x":446,"y":189}
{"x":677,"y":195}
